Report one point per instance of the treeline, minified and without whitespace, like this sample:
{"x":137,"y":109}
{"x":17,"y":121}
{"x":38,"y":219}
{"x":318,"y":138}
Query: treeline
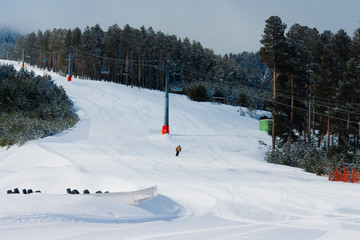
{"x":31,"y":107}
{"x":140,"y":57}
{"x":7,"y":42}
{"x":316,"y":91}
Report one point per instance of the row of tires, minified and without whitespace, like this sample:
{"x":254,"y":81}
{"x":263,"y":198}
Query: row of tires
{"x":75,"y":191}
{"x":24,"y":191}
{"x":69,"y":191}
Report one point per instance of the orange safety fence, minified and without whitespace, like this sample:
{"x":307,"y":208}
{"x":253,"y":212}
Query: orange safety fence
{"x":344,"y":175}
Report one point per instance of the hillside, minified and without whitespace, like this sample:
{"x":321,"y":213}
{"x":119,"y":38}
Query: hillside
{"x":218,"y":188}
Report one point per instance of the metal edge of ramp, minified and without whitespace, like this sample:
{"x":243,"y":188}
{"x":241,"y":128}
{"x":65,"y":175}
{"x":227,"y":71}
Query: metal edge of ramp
{"x":132,"y":197}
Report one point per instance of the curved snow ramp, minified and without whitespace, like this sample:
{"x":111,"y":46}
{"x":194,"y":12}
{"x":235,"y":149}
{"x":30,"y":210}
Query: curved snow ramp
{"x":133,"y":197}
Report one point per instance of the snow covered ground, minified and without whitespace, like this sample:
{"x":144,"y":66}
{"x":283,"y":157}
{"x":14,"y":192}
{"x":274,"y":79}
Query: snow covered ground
{"x":218,"y":188}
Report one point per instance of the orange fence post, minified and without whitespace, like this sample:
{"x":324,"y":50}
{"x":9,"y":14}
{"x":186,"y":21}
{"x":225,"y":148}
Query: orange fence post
{"x":336,"y":174}
{"x":353,"y":175}
{"x":343,"y":175}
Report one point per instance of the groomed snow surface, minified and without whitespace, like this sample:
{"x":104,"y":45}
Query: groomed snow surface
{"x":219,"y":187}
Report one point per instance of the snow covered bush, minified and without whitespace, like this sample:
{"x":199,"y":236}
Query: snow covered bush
{"x":197,"y":92}
{"x":300,"y":154}
{"x":31,"y":107}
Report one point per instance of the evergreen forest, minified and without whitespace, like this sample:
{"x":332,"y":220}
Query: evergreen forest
{"x":315,"y":101}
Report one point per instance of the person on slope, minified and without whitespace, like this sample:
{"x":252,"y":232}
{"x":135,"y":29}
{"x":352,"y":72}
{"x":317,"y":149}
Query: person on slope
{"x":178,"y":150}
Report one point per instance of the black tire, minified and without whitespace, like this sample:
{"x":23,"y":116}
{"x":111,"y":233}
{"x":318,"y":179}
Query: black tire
{"x":74,"y":191}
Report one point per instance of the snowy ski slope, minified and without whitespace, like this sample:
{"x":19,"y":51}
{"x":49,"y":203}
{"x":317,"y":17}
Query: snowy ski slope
{"x":218,"y":188}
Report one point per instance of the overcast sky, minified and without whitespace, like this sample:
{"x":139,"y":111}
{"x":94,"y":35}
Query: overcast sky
{"x":226,"y":26}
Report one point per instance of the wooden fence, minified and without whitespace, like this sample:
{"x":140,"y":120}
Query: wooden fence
{"x":344,"y":175}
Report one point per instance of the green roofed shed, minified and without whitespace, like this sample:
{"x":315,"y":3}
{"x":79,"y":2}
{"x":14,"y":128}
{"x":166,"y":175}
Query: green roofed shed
{"x":265,"y":124}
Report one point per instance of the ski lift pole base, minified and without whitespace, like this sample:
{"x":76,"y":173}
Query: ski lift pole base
{"x":69,"y":78}
{"x":165,"y":129}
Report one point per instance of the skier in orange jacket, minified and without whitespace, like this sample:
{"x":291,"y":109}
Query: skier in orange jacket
{"x":178,"y":150}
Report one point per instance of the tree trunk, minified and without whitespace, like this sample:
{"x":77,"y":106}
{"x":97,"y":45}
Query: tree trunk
{"x":292,"y":101}
{"x":309,"y":115}
{"x":347,"y":131}
{"x":328,"y":126}
{"x":139,"y":72}
{"x":274,"y":97}
{"x":126,"y":68}
{"x":313,"y":115}
{"x":320,"y":136}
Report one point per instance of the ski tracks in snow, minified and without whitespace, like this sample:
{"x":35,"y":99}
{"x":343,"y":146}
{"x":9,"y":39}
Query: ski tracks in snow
{"x":218,"y":188}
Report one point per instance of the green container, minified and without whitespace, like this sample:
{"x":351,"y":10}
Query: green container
{"x":264,"y":125}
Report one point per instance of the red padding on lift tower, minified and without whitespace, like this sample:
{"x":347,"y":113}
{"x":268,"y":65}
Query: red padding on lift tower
{"x":165,"y":129}
{"x":69,"y":78}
